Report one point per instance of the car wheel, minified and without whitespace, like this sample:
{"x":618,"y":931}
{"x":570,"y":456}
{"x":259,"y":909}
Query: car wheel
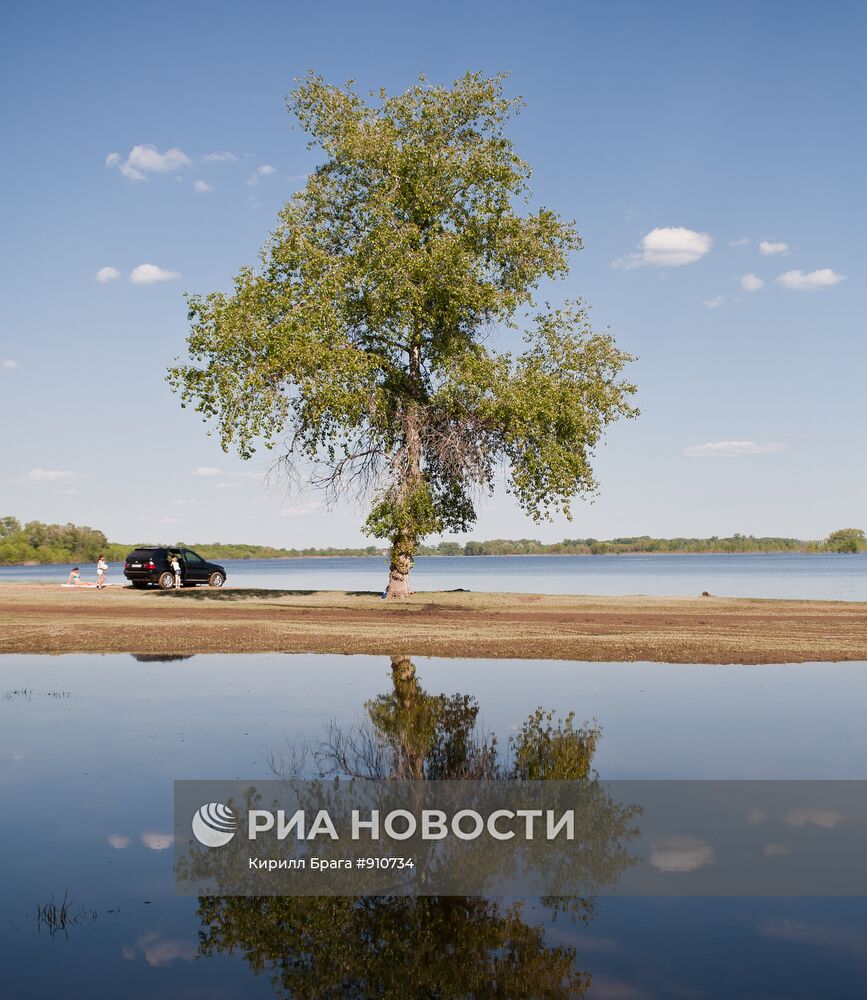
{"x":216,"y":580}
{"x":139,"y":584}
{"x":166,"y":581}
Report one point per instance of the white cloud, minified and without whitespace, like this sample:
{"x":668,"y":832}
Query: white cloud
{"x":118,"y":842}
{"x":148,"y":274}
{"x":732,"y":449}
{"x":184,"y":503}
{"x":201,"y":186}
{"x":849,"y":939}
{"x":742,"y":242}
{"x":264,"y":171}
{"x":714,"y":303}
{"x":38,"y":476}
{"x":227,"y":486}
{"x":752,"y":282}
{"x":207,"y":470}
{"x":8,"y":363}
{"x":827,"y":819}
{"x":800,"y":281}
{"x":222,"y":157}
{"x":105,"y":274}
{"x":144,"y":160}
{"x":680,"y":854}
{"x":769,"y":247}
{"x":668,"y":246}
{"x":159,"y":951}
{"x":157,"y":841}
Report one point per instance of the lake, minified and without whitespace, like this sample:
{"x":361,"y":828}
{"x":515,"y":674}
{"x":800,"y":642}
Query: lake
{"x":90,"y":746}
{"x":820,"y":576}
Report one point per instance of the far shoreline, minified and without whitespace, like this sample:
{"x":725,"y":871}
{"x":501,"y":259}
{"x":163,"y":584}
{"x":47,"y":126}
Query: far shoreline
{"x":490,"y":555}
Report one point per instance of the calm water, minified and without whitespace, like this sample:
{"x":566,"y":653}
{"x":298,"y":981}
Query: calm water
{"x":90,"y":746}
{"x":823,"y":576}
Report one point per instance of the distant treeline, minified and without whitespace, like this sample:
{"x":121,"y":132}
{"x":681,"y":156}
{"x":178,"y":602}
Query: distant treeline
{"x":844,"y":540}
{"x":619,"y":546}
{"x":35,"y":542}
{"x":217,"y":550}
{"x":53,"y":543}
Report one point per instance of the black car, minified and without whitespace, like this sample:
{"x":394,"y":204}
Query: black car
{"x":152,"y":565}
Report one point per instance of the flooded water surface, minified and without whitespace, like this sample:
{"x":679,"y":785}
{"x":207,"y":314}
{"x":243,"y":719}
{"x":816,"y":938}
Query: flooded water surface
{"x":90,"y":747}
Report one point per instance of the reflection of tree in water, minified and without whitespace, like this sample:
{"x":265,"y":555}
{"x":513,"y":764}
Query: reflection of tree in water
{"x":161,"y":657}
{"x":414,"y":734}
{"x":390,"y":947}
{"x":399,"y":947}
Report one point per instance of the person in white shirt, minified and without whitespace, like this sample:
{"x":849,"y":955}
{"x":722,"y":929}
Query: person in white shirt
{"x":176,"y":569}
{"x":101,"y":570}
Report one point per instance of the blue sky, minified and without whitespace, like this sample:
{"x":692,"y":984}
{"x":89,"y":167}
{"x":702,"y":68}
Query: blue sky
{"x":712,"y":154}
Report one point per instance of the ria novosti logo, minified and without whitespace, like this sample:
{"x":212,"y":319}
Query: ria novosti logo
{"x":214,"y":825}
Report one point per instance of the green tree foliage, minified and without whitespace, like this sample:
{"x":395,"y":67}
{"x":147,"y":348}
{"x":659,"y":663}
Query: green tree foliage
{"x":365,"y":339}
{"x":419,"y":735}
{"x":621,"y":546}
{"x":846,"y":540}
{"x":390,"y":947}
{"x":549,"y":750}
{"x":36,"y":542}
{"x":430,"y":736}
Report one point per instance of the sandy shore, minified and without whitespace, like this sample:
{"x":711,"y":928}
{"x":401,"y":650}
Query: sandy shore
{"x":39,"y":618}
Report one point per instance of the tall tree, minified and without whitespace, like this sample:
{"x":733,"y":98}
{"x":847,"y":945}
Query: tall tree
{"x":364,"y":345}
{"x":847,"y":540}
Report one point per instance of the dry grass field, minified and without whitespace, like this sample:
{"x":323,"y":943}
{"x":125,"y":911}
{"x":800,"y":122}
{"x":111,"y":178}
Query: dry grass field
{"x":40,"y":618}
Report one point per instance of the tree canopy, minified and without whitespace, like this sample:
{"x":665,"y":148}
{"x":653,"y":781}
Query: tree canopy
{"x":364,"y":345}
{"x":53,"y":543}
{"x":847,"y":540}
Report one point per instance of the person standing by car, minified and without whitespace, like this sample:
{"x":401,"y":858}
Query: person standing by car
{"x":150,"y":565}
{"x":176,"y":569}
{"x":101,"y":570}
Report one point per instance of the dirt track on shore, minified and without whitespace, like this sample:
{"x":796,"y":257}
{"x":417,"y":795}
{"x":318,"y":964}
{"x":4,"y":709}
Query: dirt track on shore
{"x":47,"y":619}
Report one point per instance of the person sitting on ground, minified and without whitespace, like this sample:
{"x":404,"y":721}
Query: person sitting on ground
{"x":74,"y":579}
{"x":101,"y":570}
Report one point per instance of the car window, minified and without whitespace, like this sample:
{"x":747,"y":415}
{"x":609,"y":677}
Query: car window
{"x":191,"y":556}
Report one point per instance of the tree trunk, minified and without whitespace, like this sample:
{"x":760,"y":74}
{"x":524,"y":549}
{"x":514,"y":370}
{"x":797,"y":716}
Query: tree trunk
{"x":404,"y":542}
{"x":409,"y":762}
{"x":402,"y":551}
